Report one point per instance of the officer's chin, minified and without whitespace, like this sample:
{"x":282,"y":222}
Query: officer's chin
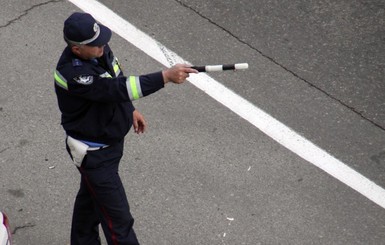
{"x":98,"y":55}
{"x":101,"y":53}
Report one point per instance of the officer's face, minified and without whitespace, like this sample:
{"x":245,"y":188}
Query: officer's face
{"x":88,"y":52}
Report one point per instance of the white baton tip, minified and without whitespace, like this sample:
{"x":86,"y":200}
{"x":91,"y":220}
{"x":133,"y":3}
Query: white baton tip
{"x":241,"y":66}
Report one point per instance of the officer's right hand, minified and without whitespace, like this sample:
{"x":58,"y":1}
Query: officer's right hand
{"x":177,"y":73}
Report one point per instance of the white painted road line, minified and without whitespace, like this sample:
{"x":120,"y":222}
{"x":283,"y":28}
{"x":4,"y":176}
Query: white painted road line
{"x":260,"y":119}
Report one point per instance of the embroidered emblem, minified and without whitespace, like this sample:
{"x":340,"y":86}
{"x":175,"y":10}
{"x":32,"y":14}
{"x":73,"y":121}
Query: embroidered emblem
{"x":96,"y":27}
{"x":85,"y":80}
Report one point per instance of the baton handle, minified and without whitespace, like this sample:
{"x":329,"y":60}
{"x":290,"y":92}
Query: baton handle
{"x":209,"y":68}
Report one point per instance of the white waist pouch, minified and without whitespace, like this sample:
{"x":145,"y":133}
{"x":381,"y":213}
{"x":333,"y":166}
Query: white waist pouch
{"x":78,"y":150}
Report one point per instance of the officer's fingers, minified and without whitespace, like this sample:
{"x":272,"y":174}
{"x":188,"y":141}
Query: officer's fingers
{"x":177,"y":73}
{"x":135,"y":124}
{"x":185,"y":68}
{"x":190,"y":70}
{"x":142,"y":126}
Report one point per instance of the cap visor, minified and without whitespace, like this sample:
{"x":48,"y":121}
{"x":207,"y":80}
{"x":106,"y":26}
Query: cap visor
{"x":103,"y":38}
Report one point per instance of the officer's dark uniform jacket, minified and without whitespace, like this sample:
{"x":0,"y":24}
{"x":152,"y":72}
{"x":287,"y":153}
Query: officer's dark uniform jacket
{"x":95,"y":97}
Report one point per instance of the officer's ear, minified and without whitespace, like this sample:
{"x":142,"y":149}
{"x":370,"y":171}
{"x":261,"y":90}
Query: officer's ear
{"x":76,"y":50}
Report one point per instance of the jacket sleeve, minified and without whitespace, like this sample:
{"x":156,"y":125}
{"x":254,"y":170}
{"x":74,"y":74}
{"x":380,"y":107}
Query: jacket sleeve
{"x":140,"y":86}
{"x":108,"y":89}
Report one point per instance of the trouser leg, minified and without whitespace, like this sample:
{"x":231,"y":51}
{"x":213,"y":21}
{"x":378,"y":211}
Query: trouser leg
{"x":100,"y":173}
{"x":85,"y":219}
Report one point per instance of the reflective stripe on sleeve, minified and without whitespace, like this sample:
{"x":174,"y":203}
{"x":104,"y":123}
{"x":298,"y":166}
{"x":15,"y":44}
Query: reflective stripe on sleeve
{"x":133,"y":88}
{"x":116,"y":67}
{"x":60,"y":80}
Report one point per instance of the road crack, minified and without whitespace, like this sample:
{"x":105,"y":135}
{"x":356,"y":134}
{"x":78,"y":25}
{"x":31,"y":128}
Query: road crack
{"x":28,"y":225}
{"x":341,"y":102}
{"x":25,"y":12}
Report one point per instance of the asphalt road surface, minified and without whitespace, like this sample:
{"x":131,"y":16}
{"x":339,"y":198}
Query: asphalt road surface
{"x":202,"y":174}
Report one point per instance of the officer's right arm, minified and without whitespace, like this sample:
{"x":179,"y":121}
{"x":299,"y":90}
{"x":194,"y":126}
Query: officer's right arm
{"x":140,"y":86}
{"x":109,"y":89}
{"x":115,"y":89}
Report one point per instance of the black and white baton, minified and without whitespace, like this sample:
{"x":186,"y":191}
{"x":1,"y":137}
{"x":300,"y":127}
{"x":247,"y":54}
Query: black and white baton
{"x":209,"y":68}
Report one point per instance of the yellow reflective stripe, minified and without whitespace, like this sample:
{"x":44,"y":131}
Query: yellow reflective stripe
{"x":133,"y":88}
{"x":116,"y":66}
{"x":116,"y":69}
{"x":60,"y":80}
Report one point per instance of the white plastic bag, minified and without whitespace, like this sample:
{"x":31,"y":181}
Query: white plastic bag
{"x":78,"y":150}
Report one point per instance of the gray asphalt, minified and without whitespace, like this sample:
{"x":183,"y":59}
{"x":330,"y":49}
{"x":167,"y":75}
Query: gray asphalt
{"x":201,"y":174}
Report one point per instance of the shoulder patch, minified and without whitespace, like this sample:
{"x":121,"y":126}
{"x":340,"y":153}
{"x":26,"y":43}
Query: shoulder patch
{"x":84,"y":79}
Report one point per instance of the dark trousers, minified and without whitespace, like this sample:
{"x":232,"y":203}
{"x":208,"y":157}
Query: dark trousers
{"x":102,"y":200}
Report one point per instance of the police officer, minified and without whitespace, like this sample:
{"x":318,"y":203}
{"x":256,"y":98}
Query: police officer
{"x":94,"y":98}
